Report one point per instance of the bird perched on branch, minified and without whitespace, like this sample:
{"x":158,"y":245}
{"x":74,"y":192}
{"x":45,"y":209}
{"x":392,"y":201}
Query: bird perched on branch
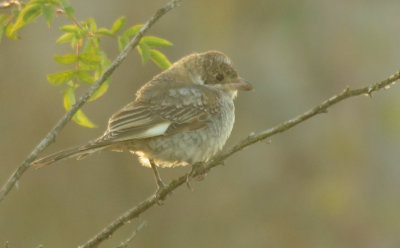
{"x":183,"y":116}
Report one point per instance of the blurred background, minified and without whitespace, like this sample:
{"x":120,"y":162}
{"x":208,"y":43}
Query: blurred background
{"x":332,"y":181}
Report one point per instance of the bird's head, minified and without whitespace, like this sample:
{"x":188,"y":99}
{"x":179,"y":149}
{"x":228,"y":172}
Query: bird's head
{"x":214,"y":69}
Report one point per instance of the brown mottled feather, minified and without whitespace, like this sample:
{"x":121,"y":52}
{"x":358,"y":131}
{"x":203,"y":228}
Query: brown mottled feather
{"x":183,"y":109}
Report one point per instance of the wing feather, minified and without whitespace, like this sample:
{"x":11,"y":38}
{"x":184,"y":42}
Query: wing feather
{"x":177,"y":110}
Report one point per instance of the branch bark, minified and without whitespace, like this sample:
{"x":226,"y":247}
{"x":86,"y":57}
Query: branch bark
{"x":220,"y":158}
{"x":50,"y":137}
{"x":133,"y":235}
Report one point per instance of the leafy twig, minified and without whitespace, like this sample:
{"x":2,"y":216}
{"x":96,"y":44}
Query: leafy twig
{"x":50,"y":137}
{"x":220,"y":158}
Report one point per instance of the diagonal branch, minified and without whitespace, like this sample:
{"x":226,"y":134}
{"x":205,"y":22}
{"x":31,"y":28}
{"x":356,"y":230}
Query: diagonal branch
{"x":133,"y":235}
{"x":220,"y":158}
{"x":50,"y":137}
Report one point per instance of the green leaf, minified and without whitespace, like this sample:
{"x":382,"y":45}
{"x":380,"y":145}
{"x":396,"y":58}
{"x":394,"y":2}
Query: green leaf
{"x":89,"y":58}
{"x":155,"y":41}
{"x":80,"y":118}
{"x":104,"y":63}
{"x":30,"y":12}
{"x":69,"y":98}
{"x":104,"y":31}
{"x":3,"y":19}
{"x":76,"y":40}
{"x":90,"y":54}
{"x":122,"y":42}
{"x":67,"y":37}
{"x":85,"y":77}
{"x":70,"y":29}
{"x":27,"y":14}
{"x":92,"y":25}
{"x":129,"y":33}
{"x":91,"y":45}
{"x":144,"y":51}
{"x":49,"y":12}
{"x":159,"y":59}
{"x":118,"y":24}
{"x":66,"y":59}
{"x":87,"y":67}
{"x":42,"y":2}
{"x":101,"y":91}
{"x":10,"y":33}
{"x":60,"y":77}
{"x":132,"y":31}
{"x":69,"y":11}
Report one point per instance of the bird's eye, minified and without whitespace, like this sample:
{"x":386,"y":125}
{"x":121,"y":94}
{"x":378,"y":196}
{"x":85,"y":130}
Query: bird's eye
{"x":219,"y":77}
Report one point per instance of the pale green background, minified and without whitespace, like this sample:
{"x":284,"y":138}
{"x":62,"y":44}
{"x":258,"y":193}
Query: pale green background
{"x":333,"y":181}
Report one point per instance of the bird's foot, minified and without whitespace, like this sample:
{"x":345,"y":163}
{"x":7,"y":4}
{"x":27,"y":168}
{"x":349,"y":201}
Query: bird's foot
{"x":158,"y":195}
{"x":198,"y":171}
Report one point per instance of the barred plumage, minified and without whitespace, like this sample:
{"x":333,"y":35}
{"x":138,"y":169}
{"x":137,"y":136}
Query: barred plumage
{"x":182,"y":116}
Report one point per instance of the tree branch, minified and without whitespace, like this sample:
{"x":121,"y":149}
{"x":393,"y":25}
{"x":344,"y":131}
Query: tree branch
{"x":220,"y":158}
{"x":133,"y":235}
{"x":50,"y":137}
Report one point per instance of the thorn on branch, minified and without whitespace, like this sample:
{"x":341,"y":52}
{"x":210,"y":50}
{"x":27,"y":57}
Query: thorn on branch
{"x":324,"y":110}
{"x":370,"y":90}
{"x":188,"y":183}
{"x":174,"y":4}
{"x":251,"y":135}
{"x":368,"y":94}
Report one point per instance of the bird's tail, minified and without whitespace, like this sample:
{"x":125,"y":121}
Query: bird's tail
{"x":75,"y":152}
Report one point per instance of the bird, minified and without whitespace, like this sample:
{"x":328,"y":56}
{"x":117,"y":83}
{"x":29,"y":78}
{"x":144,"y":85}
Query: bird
{"x":183,"y":116}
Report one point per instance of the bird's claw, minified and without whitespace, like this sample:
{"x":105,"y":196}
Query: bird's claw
{"x":198,"y":171}
{"x":158,"y":196}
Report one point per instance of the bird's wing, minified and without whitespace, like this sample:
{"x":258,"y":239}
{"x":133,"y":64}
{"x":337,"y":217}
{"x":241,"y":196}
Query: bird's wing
{"x":177,"y":110}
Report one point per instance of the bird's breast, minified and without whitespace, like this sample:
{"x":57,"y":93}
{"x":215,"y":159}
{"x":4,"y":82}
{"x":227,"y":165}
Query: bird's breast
{"x":194,"y":146}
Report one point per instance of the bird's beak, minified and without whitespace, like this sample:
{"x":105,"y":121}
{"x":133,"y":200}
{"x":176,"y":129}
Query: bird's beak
{"x":240,"y":84}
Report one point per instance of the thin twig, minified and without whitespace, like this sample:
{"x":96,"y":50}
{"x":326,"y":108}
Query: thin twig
{"x":50,"y":137}
{"x":133,"y":235}
{"x":220,"y":158}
